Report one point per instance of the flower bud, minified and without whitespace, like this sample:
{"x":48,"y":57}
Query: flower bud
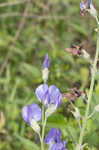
{"x":96,"y":108}
{"x":46,"y":63}
{"x":92,"y":11}
{"x":85,"y":55}
{"x":35,"y":126}
{"x":50,"y":110}
{"x":45,"y":73}
{"x":76,"y":114}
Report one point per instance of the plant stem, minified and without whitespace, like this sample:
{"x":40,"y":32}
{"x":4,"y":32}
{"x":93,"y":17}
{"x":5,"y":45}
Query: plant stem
{"x":40,"y":138}
{"x":90,"y":95}
{"x":43,"y":116}
{"x":44,"y":119}
{"x":43,"y":129}
{"x":91,"y":114}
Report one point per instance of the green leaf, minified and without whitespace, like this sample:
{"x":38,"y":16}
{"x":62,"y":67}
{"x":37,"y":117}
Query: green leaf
{"x":29,"y":144}
{"x":57,"y":120}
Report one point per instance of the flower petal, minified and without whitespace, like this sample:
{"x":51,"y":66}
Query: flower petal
{"x":46,"y":63}
{"x":89,"y":3}
{"x":58,"y":146}
{"x":82,"y":6}
{"x":58,"y":136}
{"x":42,"y":92}
{"x":32,"y":111}
{"x":50,"y":138}
{"x":55,"y":96}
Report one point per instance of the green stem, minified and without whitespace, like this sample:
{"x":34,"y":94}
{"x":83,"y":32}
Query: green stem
{"x":44,"y":119}
{"x":90,"y":116}
{"x":43,"y":116}
{"x":40,"y":137}
{"x":43,"y":129}
{"x":90,"y":95}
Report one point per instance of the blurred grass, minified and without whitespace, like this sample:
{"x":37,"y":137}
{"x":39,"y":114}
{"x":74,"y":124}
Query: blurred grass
{"x":50,"y":27}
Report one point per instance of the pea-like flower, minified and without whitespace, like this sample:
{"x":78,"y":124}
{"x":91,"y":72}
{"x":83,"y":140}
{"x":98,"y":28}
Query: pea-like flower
{"x":54,"y":140}
{"x":49,"y":95}
{"x":88,"y":7}
{"x":31,"y":112}
{"x":85,"y":5}
{"x":54,"y":136}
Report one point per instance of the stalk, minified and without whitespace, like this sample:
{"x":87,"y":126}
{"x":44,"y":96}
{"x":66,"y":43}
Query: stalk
{"x":44,"y":119}
{"x":43,"y":116}
{"x":90,"y":95}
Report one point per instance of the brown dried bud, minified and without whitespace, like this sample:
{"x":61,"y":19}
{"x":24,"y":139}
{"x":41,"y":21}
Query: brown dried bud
{"x":73,"y":94}
{"x":75,"y":50}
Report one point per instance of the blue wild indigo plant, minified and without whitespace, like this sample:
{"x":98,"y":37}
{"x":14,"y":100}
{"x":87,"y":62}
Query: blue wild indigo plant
{"x":50,"y":97}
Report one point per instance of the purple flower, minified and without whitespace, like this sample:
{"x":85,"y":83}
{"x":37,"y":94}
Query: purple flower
{"x":49,"y":96}
{"x":54,"y":136}
{"x":46,"y":63}
{"x":54,"y":140}
{"x":55,"y":96}
{"x":58,"y":146}
{"x":31,"y":112}
{"x":42,"y":93}
{"x":85,"y":6}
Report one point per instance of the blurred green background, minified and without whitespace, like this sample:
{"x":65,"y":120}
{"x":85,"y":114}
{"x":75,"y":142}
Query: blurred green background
{"x":29,"y":30}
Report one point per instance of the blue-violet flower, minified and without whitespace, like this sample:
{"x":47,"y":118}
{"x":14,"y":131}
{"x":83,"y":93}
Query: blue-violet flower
{"x":54,"y":136}
{"x":88,"y":7}
{"x":54,"y":140}
{"x":84,"y":7}
{"x":31,"y":112}
{"x":48,"y":96}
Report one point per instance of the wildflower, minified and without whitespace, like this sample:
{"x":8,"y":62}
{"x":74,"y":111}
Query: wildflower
{"x":45,"y":71}
{"x":54,"y":135}
{"x":32,"y":114}
{"x":54,"y":140}
{"x":85,"y":6}
{"x":88,"y":7}
{"x":49,"y":96}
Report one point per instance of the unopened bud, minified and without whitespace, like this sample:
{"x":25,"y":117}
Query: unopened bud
{"x":92,"y":11}
{"x":96,"y":108}
{"x":85,"y":55}
{"x":35,"y":126}
{"x":76,"y":114}
{"x":45,"y":73}
{"x":50,"y":111}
